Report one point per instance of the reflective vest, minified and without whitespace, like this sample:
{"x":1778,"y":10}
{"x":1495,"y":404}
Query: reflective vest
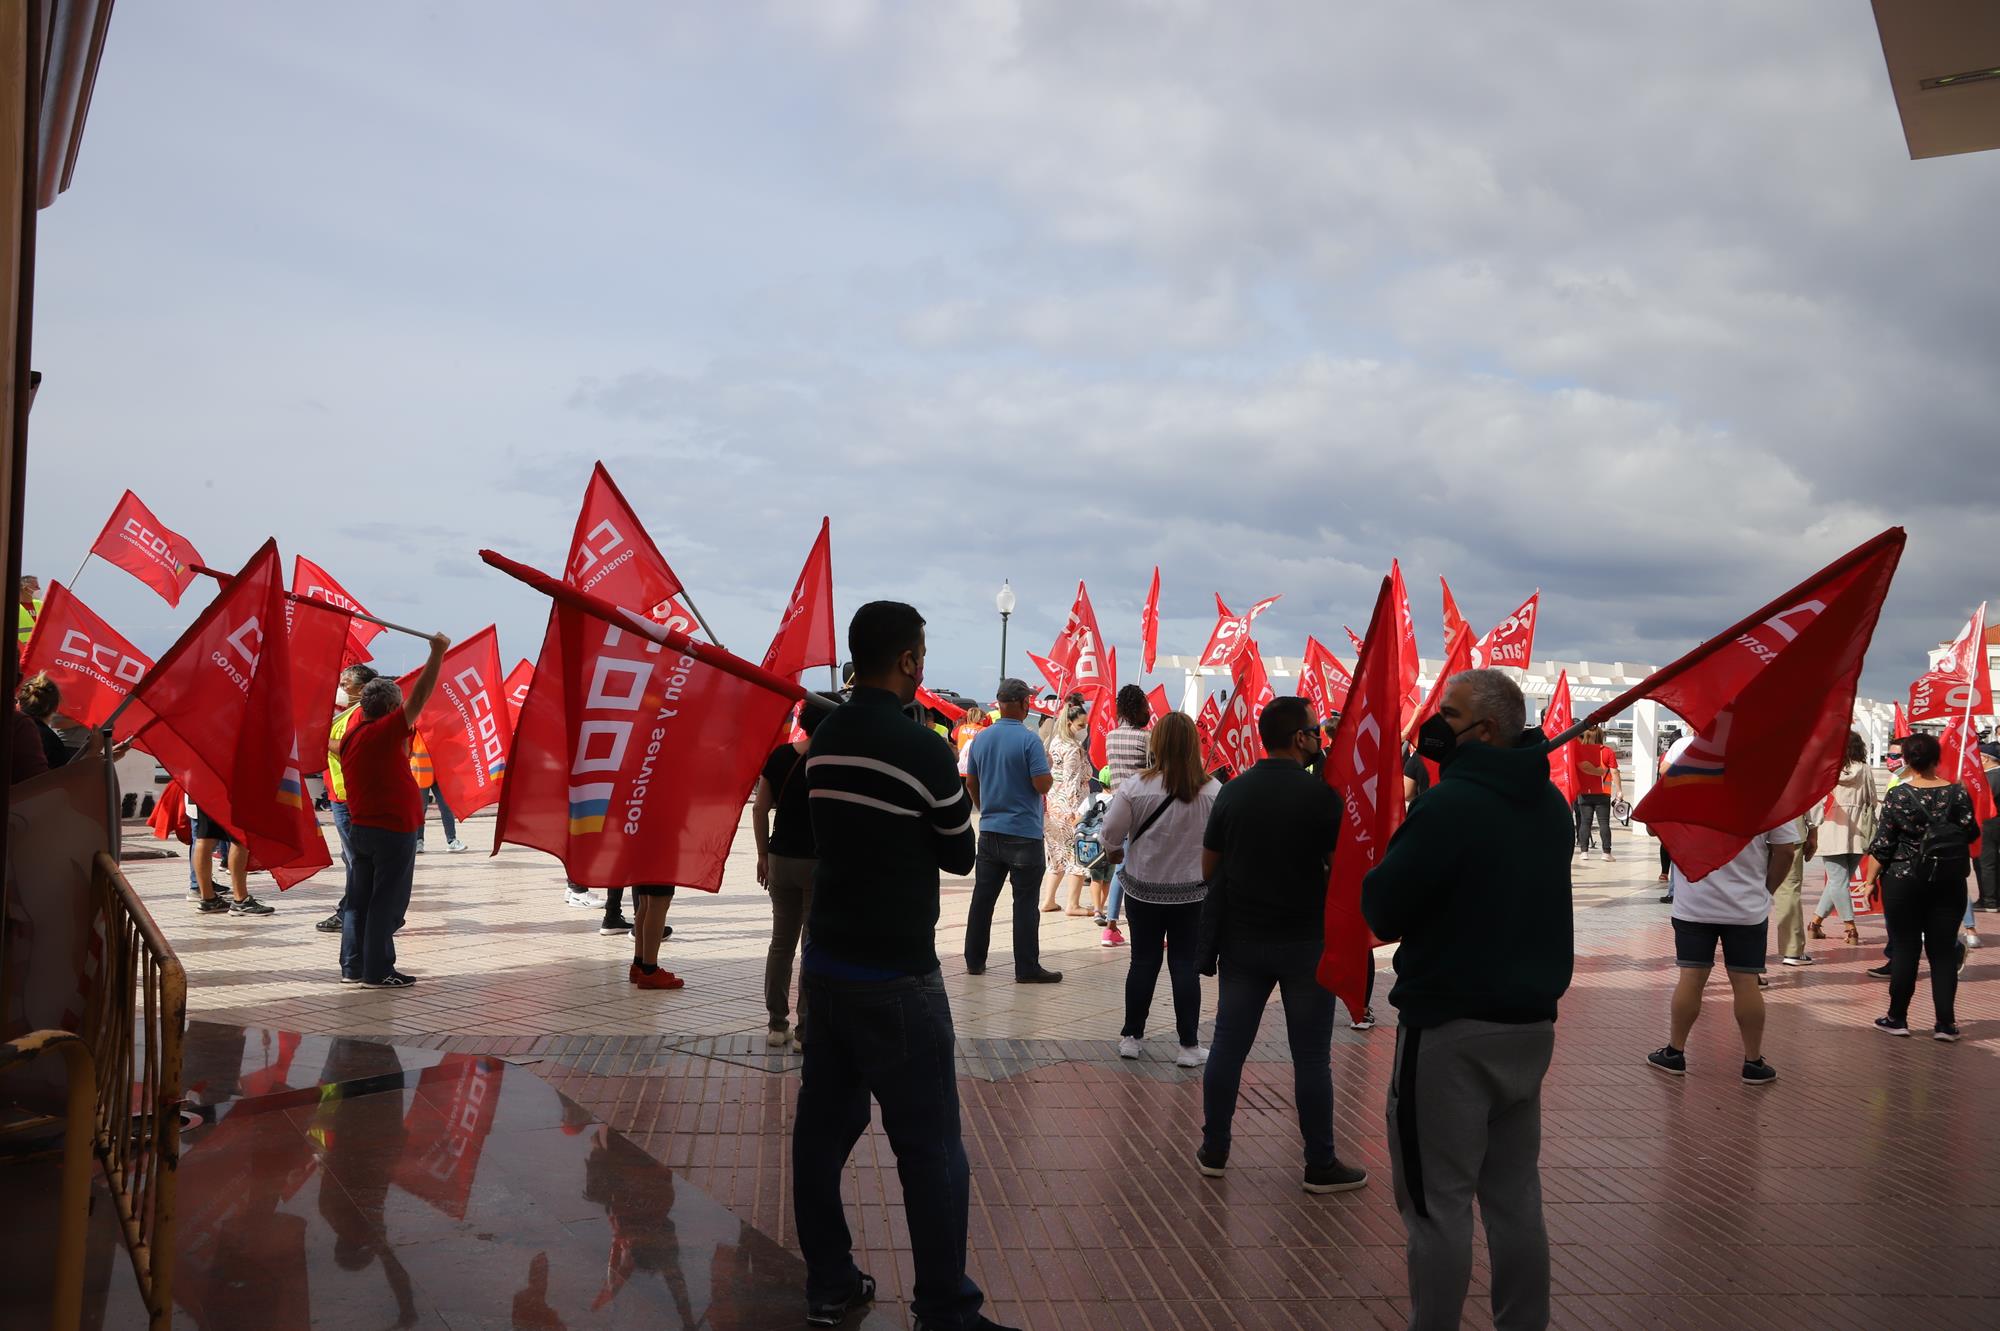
{"x":336,"y":788}
{"x":420,"y":763}
{"x":24,"y":621}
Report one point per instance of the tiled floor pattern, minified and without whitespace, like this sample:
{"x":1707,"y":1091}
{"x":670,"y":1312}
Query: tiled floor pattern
{"x":1858,"y":1191}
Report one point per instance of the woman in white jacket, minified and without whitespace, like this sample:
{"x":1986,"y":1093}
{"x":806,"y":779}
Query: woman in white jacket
{"x":1844,"y":836}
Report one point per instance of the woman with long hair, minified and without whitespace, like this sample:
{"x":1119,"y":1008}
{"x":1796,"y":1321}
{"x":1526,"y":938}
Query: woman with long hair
{"x":1922,"y":859}
{"x":1070,"y":767}
{"x":1844,"y":836}
{"x":1154,"y":828}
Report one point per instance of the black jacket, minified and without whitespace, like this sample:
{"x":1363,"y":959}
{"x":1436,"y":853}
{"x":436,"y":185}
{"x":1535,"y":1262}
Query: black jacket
{"x":1475,"y":886}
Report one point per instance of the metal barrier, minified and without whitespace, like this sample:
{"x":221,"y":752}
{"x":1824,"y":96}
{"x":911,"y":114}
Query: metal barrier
{"x":73,"y":1214}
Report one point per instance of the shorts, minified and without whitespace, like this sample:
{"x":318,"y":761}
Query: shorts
{"x":207,"y":829}
{"x":652,"y":890}
{"x":1743,"y":945}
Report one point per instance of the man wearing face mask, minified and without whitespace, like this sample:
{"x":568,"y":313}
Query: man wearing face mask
{"x":1475,"y":889}
{"x":888,"y":813}
{"x":352,"y":681}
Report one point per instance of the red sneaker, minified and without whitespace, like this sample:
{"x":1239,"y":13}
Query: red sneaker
{"x":660,"y":979}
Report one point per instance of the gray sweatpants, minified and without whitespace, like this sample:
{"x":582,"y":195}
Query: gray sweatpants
{"x":1465,"y":1120}
{"x":791,"y":905}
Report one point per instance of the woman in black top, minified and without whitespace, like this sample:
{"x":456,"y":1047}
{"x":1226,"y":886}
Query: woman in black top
{"x":39,"y":699}
{"x":1921,"y":845}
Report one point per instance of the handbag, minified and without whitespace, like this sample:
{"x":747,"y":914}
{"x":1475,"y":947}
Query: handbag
{"x":1865,"y":813}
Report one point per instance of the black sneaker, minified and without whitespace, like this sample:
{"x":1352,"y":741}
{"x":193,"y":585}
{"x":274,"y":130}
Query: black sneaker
{"x":1879,"y":972}
{"x":250,"y":906}
{"x":393,"y":980}
{"x":210,"y":905}
{"x":1043,"y":976}
{"x":1672,"y":1061}
{"x":350,"y":979}
{"x":1667,"y":900}
{"x":1211,"y":1166}
{"x":616,"y":924}
{"x":329,"y":925}
{"x":1891,"y":1026}
{"x":1335,"y":1177}
{"x":835,"y":1312}
{"x":1759,"y":1073}
{"x":1945,"y":1034}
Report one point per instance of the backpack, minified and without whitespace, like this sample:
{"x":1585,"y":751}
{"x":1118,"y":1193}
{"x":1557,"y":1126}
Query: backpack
{"x":1945,"y":852}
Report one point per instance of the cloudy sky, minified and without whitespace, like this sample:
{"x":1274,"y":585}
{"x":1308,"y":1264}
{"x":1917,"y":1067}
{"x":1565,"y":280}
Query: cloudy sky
{"x":1646,"y":306}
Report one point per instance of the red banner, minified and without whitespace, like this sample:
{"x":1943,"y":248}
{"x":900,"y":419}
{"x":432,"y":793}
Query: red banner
{"x":1961,"y":681}
{"x":465,"y":725}
{"x":1149,"y":623}
{"x":1512,"y":641}
{"x":1237,"y":739}
{"x":519,"y":680}
{"x":1103,"y":714}
{"x":147,"y":548}
{"x":86,"y":658}
{"x":1364,"y":767}
{"x":1053,"y":673}
{"x":1959,"y":761}
{"x":1208,"y":724}
{"x":1323,"y":679}
{"x":805,"y":637}
{"x":944,"y":707}
{"x":1232,"y":632}
{"x":316,"y":584}
{"x":1770,"y":700}
{"x":1157,"y":703}
{"x":610,"y":554}
{"x":1556,"y":718}
{"x":1454,"y":622}
{"x":1078,"y":654}
{"x":446,"y":1128}
{"x":319,"y":643}
{"x":1900,"y":720}
{"x":1408,"y":665}
{"x":217,"y":712}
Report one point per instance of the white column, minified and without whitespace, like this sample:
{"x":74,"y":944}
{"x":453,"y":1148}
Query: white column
{"x":1192,"y":694}
{"x":1645,"y":747}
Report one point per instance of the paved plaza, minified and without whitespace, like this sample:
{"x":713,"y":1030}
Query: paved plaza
{"x":1858,"y":1191}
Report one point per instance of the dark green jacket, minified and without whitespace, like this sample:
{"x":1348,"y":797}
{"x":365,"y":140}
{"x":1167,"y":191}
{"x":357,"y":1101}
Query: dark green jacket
{"x":1475,"y":887}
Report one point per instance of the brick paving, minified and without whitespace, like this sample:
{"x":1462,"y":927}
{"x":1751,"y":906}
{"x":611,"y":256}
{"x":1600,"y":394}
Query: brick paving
{"x":1858,"y":1191}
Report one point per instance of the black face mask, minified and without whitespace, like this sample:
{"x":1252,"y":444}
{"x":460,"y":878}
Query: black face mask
{"x":1437,"y":741}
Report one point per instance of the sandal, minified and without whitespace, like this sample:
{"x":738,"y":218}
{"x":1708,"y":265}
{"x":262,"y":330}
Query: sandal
{"x":1050,"y":906}
{"x":1814,"y":928}
{"x":1853,"y":934}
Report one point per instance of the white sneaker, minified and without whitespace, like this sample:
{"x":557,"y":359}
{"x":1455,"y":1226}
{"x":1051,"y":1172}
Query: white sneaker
{"x":1971,"y":938}
{"x":1801,"y":960}
{"x":1128,"y":1047}
{"x":1364,"y":1022}
{"x":455,"y":845}
{"x":581,"y":900}
{"x":1608,"y":859}
{"x":1191,"y":1056}
{"x":777,"y":1037}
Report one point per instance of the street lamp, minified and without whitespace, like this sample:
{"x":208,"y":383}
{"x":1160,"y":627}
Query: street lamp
{"x":1004,"y":603}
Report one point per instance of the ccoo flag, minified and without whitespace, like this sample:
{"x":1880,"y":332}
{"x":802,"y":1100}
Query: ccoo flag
{"x":465,"y":724}
{"x":612,"y":556}
{"x":1323,"y":679}
{"x":145,"y":547}
{"x":319,"y":646}
{"x":1556,"y":718}
{"x":1962,"y":682}
{"x":312,"y":583}
{"x":1232,"y":631}
{"x":85,"y":657}
{"x":519,"y":679}
{"x":1770,"y":700}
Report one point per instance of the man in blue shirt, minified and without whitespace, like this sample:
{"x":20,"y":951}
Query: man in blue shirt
{"x":1006,"y":774}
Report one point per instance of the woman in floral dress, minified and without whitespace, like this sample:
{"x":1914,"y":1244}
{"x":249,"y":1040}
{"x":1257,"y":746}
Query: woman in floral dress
{"x":1071,"y":770}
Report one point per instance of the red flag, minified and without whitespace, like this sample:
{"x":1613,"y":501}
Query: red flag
{"x":464,"y":725}
{"x":217,"y":712}
{"x":1512,"y":641}
{"x":1053,"y":673}
{"x":1958,"y":748}
{"x":1408,"y":665}
{"x":1364,"y":766}
{"x":1356,"y":642}
{"x":86,"y":658}
{"x":1237,"y":739}
{"x":610,"y":554}
{"x":1459,"y":659}
{"x":1103,"y":713}
{"x":1900,"y":721}
{"x":519,"y":680}
{"x":950,"y":710}
{"x":636,"y":748}
{"x":1770,"y":700}
{"x":1231,"y":632}
{"x":1149,"y":623}
{"x":1961,"y":681}
{"x":805,"y":637}
{"x":1078,"y":654}
{"x":1208,"y":724}
{"x":1454,"y":622}
{"x":147,"y":548}
{"x":1323,"y":679}
{"x":1556,"y":718}
{"x":318,"y":640}
{"x":316,"y":584}
{"x":1156,"y":702}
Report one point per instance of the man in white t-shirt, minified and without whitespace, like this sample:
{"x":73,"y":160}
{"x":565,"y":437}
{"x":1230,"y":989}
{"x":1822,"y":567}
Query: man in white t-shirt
{"x":1732,"y":907}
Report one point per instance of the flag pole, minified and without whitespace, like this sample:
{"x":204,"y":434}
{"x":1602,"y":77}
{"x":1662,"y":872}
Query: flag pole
{"x":695,"y":610}
{"x":224,"y":578}
{"x":79,"y":570}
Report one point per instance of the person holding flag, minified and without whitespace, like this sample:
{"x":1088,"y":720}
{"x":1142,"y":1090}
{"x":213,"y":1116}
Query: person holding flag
{"x":353,"y":679}
{"x":1475,"y":889}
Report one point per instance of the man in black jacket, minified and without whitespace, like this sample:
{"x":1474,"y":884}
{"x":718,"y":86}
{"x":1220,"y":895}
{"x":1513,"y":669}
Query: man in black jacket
{"x":888,"y":812}
{"x":1476,"y":889}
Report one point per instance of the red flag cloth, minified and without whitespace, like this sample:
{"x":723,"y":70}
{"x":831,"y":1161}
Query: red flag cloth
{"x":217,"y":712}
{"x":1052,"y":672}
{"x":1103,"y":713}
{"x":1157,"y":703}
{"x":1323,"y":679}
{"x":93,"y":665}
{"x":805,"y":637}
{"x":516,"y":688}
{"x":1512,"y":641}
{"x":1958,"y":748}
{"x":1556,"y":718}
{"x":147,"y":548}
{"x":1044,"y":707}
{"x":1149,"y":623}
{"x":950,"y":710}
{"x":464,"y":725}
{"x":1232,"y":632}
{"x":1961,"y":681}
{"x":1208,"y":724}
{"x":637,"y":747}
{"x":1459,"y":659}
{"x":1354,"y":641}
{"x":610,"y":554}
{"x":316,"y":584}
{"x":1770,"y":701}
{"x":1078,"y":654}
{"x":1408,"y":665}
{"x":1364,"y":766}
{"x":1237,"y":739}
{"x":1454,"y":622}
{"x":1900,"y":720}
{"x":319,"y":643}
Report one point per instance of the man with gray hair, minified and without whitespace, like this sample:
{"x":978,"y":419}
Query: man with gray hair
{"x":1475,"y":889}
{"x":1006,"y":775}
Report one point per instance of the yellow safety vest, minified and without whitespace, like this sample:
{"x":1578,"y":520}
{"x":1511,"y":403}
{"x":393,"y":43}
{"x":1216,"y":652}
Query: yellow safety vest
{"x":24,"y":620}
{"x":335,"y":787}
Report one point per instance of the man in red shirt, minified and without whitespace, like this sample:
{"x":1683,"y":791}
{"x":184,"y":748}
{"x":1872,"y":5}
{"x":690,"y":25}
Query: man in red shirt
{"x":1597,"y":780}
{"x":386,"y":813}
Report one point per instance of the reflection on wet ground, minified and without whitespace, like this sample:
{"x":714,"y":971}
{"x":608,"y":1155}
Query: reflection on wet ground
{"x":333,"y":1181}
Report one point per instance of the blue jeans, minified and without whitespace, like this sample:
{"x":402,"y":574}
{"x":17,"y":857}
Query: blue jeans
{"x":344,"y":824}
{"x":891,"y":1039}
{"x":1117,"y":897}
{"x":1247,"y":973}
{"x":436,"y":796}
{"x":1002,"y":858}
{"x":378,"y":895}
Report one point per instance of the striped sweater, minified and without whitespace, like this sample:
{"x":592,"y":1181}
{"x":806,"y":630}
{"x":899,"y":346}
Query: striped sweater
{"x":888,"y":813}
